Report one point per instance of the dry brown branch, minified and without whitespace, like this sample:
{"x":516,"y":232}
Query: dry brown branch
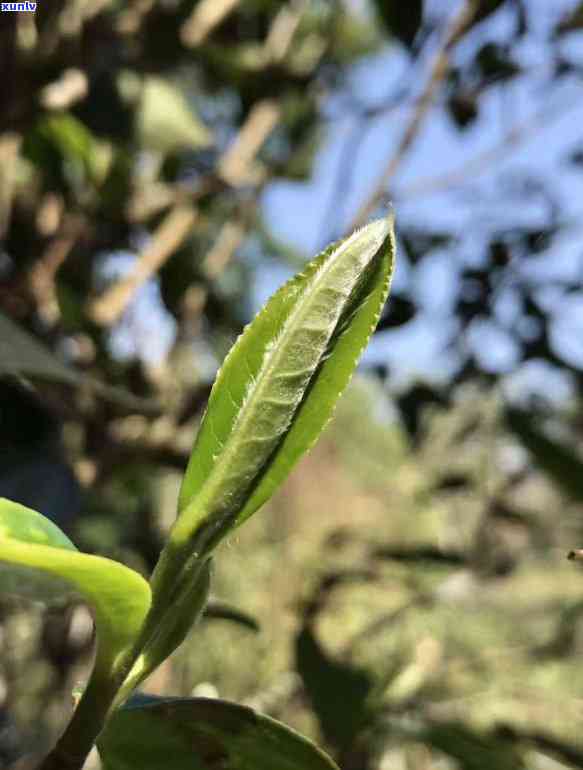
{"x":9,"y":149}
{"x":153,"y":198}
{"x":149,"y":199}
{"x":43,"y":274}
{"x":49,"y":214}
{"x":456,"y":29}
{"x":171,"y":233}
{"x":282,"y":30}
{"x":72,"y":86}
{"x":207,"y":15}
{"x":237,"y":166}
{"x":229,"y":240}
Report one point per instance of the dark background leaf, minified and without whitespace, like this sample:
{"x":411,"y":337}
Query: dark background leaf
{"x":338,"y":691}
{"x":203,"y":734}
{"x":402,"y":20}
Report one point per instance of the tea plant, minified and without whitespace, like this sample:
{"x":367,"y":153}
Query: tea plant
{"x":271,"y":399}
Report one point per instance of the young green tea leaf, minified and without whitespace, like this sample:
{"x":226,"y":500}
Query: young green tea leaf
{"x":203,"y":734}
{"x":35,"y":548}
{"x":279,"y":384}
{"x":332,"y":375}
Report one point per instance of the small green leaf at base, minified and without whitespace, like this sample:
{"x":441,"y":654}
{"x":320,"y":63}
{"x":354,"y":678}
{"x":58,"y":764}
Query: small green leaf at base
{"x":204,"y":734}
{"x":36,"y":548}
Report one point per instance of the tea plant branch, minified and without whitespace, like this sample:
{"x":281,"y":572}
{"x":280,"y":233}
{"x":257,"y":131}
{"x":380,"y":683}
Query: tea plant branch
{"x":35,"y":552}
{"x":104,"y":693}
{"x":95,"y":706}
{"x":458,"y":26}
{"x":81,"y":733}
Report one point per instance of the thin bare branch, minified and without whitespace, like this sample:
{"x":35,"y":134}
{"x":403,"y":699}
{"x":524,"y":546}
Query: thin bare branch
{"x":9,"y":149}
{"x":43,"y":274}
{"x":439,"y":69}
{"x":237,"y":166}
{"x":206,"y":16}
{"x":150,"y":199}
{"x":169,"y":236}
{"x":230,"y":238}
{"x":282,"y":30}
{"x":483,"y":161}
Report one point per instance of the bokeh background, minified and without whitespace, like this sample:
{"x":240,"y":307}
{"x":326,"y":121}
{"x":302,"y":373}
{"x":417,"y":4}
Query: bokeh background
{"x":164,"y":166}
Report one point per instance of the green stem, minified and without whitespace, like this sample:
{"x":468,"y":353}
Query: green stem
{"x":102,"y":695}
{"x":167,"y":624}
